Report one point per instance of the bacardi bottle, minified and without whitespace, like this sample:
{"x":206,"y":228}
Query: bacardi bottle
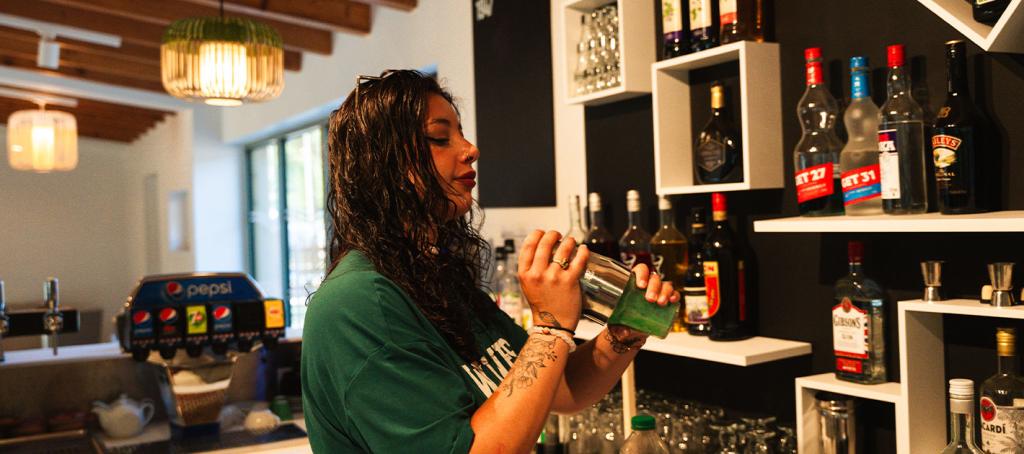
{"x":718,"y":154}
{"x":635,"y":244}
{"x":703,"y":24}
{"x":1002,"y":400}
{"x":669,"y":247}
{"x":819,"y":189}
{"x":599,"y":239}
{"x":961,"y":418}
{"x":858,"y":319}
{"x":858,"y":162}
{"x":954,"y":140}
{"x":673,"y":16}
{"x":901,"y":143}
{"x":695,"y":296}
{"x":724,"y":279}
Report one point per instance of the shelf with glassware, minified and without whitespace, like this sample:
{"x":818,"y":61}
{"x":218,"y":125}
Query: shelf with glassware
{"x":609,"y":47}
{"x":1002,"y":35}
{"x":760,"y":119}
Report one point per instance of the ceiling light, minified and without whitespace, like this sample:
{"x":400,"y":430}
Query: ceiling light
{"x":222,"y":61}
{"x":49,"y":53}
{"x":42,"y":141}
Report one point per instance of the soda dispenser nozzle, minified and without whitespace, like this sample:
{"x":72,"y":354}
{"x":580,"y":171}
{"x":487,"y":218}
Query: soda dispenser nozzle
{"x":53,"y":320}
{"x":5,"y":321}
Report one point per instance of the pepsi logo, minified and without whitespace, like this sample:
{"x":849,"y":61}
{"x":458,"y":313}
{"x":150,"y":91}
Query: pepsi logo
{"x":174,"y":289}
{"x":141,"y":317}
{"x":168,"y":315}
{"x":221,"y":313}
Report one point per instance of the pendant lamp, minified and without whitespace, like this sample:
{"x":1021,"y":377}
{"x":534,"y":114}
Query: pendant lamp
{"x":222,"y":61}
{"x":42,"y":140}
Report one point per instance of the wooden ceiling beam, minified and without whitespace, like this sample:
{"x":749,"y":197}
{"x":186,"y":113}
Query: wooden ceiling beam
{"x":338,"y":15}
{"x":83,"y":116}
{"x":14,"y":45}
{"x":162,"y":12}
{"x":93,"y":130}
{"x":15,"y":61}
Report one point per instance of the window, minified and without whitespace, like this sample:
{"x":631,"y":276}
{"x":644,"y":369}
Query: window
{"x":287,"y":229}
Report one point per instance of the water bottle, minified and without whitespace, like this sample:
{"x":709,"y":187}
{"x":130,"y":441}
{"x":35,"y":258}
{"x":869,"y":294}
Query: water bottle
{"x":644,"y":439}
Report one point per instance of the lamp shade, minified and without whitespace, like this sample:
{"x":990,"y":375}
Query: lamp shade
{"x":42,"y":141}
{"x":222,"y":61}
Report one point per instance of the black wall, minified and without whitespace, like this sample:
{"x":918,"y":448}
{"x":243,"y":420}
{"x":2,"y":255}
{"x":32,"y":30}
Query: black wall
{"x":797,"y":271}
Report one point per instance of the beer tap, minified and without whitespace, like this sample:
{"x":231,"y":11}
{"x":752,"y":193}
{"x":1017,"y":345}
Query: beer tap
{"x":53,"y":319}
{"x":5,"y":321}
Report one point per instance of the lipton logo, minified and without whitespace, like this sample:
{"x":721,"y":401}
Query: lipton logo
{"x":141,"y":317}
{"x":221,"y":313}
{"x":168,"y":315}
{"x":174,"y":290}
{"x":988,"y":409}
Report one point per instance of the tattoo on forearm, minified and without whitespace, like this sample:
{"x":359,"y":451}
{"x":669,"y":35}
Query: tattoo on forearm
{"x":548,"y":318}
{"x":623,"y":345}
{"x":534,"y":357}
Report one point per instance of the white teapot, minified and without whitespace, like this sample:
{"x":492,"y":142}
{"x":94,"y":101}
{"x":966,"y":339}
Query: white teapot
{"x":124,"y":417}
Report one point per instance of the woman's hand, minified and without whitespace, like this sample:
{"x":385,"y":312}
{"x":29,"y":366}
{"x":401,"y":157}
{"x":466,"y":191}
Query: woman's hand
{"x":658,"y":292}
{"x":553,"y":290}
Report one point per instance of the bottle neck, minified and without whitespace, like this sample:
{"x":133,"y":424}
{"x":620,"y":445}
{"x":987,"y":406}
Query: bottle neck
{"x":668,"y":218}
{"x":961,"y":421}
{"x":596,"y":220}
{"x":720,"y":217}
{"x":856,"y":268}
{"x":574,"y":217}
{"x":899,"y":81}
{"x":634,"y":219}
{"x":1007,"y":364}
{"x":814,"y":76}
{"x":956,"y":82}
{"x":859,"y":87}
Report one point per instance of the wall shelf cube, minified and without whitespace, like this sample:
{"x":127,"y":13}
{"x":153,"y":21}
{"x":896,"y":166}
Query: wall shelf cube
{"x":808,"y":432}
{"x":1006,"y":35}
{"x":760,"y":118}
{"x":637,"y":49}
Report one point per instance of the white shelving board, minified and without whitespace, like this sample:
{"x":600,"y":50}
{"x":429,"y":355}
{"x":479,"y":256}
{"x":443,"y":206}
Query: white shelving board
{"x":637,"y":49}
{"x":760,"y":118}
{"x":747,"y":352}
{"x":998,"y":221}
{"x":807,"y":428}
{"x":1006,"y":35}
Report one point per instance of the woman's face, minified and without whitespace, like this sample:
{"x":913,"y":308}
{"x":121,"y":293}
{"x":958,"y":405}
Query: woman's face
{"x":453,"y":154}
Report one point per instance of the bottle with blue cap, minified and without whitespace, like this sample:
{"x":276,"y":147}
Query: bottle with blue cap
{"x":644,"y":439}
{"x":858,"y":161}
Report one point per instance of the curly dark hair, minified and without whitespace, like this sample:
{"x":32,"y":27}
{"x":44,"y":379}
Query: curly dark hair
{"x":387,"y":200}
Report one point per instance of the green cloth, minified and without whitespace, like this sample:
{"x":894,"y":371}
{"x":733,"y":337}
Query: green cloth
{"x":633,"y":310}
{"x":377,"y":376}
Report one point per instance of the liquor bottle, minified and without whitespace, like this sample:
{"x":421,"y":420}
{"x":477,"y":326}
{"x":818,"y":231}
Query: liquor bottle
{"x":510,"y":296}
{"x":669,"y":247}
{"x":901,"y":143}
{"x":1002,"y":400}
{"x":718,"y":154}
{"x":818,"y":184}
{"x":858,"y":162}
{"x":703,"y":24}
{"x":988,"y":11}
{"x":858,"y":324}
{"x":953,"y":144}
{"x":500,"y":268}
{"x":695,"y":296}
{"x":961,"y":418}
{"x":581,"y":75}
{"x":724,"y":279}
{"x":672,"y":18}
{"x":741,"y":20}
{"x":599,"y":239}
{"x":635,"y":244}
{"x":576,"y":231}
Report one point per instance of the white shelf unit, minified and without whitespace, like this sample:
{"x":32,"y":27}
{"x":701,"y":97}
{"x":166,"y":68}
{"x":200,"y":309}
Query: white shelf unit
{"x":807,"y":428}
{"x":637,"y":48}
{"x":1006,"y":35}
{"x":747,"y":352}
{"x":998,"y":221}
{"x":760,"y":118}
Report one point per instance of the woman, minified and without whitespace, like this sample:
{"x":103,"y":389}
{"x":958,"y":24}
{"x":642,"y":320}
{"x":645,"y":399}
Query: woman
{"x":401,"y":350}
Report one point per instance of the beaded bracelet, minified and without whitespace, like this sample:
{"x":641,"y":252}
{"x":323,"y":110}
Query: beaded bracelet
{"x":565,"y":337}
{"x":558,"y":328}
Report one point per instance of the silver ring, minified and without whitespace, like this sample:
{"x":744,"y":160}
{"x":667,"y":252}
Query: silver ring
{"x":563,"y":263}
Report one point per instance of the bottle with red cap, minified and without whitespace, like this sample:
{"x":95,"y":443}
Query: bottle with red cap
{"x":901,"y":143}
{"x":858,"y":324}
{"x":725,"y":279}
{"x":819,"y":190}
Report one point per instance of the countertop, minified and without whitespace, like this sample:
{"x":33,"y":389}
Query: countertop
{"x":159,"y":431}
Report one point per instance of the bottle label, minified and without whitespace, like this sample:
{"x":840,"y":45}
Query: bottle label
{"x":814,"y":182}
{"x":850,"y":336}
{"x":861,"y":184}
{"x":814,"y":73}
{"x":628,"y":259}
{"x":945,"y":153}
{"x":727,"y":11}
{"x":889,"y":164}
{"x":859,"y":85}
{"x":700,"y":14}
{"x":695,"y":303}
{"x":711,"y":155}
{"x":1002,"y":427}
{"x":711,"y":286}
{"x":671,"y":16}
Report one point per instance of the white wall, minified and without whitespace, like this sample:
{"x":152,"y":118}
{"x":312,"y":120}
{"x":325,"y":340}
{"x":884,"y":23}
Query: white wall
{"x":219,"y":202}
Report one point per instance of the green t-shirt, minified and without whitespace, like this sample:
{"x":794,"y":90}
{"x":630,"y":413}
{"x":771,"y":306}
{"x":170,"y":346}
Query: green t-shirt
{"x":378,"y":377}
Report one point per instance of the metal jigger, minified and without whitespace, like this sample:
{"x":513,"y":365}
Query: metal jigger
{"x":931,"y":270}
{"x":1001,"y":274}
